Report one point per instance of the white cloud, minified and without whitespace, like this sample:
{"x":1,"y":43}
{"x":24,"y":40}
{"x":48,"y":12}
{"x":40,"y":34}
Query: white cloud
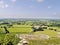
{"x":1,"y":2}
{"x":3,"y":5}
{"x":49,"y":7}
{"x":40,"y":0}
{"x":13,"y":0}
{"x":6,"y":5}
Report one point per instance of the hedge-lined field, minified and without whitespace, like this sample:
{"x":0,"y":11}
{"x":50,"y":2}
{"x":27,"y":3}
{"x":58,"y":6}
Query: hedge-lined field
{"x":27,"y":29}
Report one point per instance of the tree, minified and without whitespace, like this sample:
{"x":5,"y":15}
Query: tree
{"x":6,"y":29}
{"x":1,"y":40}
{"x":10,"y":39}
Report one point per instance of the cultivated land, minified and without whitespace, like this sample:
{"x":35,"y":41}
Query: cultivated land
{"x":25,"y":28}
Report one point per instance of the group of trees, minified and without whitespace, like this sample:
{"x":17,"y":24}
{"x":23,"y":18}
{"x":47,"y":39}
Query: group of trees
{"x":4,"y":30}
{"x":9,"y":39}
{"x":30,"y":22}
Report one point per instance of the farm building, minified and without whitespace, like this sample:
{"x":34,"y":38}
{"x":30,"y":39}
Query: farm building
{"x":37,"y":28}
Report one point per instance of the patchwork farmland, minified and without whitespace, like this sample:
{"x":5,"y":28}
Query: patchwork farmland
{"x":51,"y":29}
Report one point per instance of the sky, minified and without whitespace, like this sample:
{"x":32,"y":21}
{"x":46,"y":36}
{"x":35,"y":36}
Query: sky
{"x":29,"y":8}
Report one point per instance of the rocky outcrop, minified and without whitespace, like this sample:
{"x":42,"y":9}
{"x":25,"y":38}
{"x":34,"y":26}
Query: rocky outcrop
{"x":34,"y":36}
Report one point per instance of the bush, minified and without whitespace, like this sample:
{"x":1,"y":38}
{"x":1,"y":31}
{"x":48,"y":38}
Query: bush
{"x":10,"y":39}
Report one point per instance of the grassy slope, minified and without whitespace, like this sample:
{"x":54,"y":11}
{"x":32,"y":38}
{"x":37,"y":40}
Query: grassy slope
{"x":20,"y":28}
{"x":27,"y":29}
{"x":47,"y":32}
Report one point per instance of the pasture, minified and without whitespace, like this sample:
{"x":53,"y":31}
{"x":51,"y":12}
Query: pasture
{"x":27,"y":29}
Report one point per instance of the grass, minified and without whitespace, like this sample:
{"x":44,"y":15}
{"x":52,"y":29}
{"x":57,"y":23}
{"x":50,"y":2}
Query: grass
{"x":2,"y":36}
{"x":51,"y":41}
{"x":19,"y":30}
{"x":26,"y":29}
{"x":47,"y":32}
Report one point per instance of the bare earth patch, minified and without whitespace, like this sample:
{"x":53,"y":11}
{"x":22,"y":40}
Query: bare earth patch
{"x":33,"y":36}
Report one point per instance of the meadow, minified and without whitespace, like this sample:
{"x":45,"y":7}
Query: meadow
{"x":25,"y":27}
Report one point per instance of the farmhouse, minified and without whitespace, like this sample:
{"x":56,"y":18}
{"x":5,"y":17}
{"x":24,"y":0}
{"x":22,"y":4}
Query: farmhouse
{"x":37,"y":28}
{"x":44,"y":27}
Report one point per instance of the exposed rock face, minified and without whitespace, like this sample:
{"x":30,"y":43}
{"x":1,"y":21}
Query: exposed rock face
{"x":43,"y":36}
{"x":23,"y":41}
{"x":40,"y":36}
{"x":58,"y":34}
{"x":24,"y":38}
{"x":19,"y":44}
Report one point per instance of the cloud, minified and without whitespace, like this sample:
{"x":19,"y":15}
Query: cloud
{"x":6,"y":5}
{"x":40,"y":0}
{"x":3,"y":5}
{"x":49,"y":7}
{"x":1,"y":2}
{"x":13,"y":0}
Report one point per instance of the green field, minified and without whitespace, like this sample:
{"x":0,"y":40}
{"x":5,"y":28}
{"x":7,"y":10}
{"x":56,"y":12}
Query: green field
{"x":26,"y":29}
{"x":51,"y":41}
{"x":23,"y":29}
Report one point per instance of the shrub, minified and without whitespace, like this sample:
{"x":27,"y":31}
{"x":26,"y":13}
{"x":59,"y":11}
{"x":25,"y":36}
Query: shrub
{"x":10,"y":39}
